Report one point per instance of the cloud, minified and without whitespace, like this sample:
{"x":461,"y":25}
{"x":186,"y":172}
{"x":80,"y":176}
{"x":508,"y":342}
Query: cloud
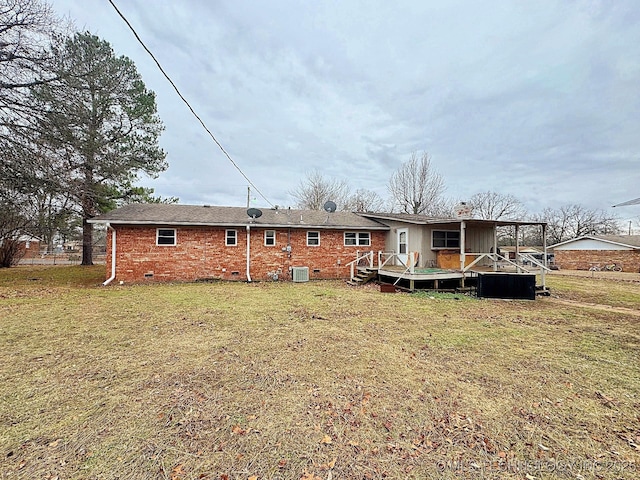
{"x":536,"y":99}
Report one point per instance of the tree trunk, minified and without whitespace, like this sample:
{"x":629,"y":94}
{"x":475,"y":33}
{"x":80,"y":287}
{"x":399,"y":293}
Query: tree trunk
{"x":87,"y":243}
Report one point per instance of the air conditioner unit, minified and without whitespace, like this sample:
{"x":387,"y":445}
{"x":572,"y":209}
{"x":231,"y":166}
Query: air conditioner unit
{"x":300,"y":274}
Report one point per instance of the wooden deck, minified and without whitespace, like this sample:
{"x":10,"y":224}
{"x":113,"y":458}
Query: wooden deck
{"x":436,"y":278}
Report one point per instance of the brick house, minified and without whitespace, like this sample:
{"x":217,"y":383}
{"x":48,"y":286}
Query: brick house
{"x":159,"y":242}
{"x":28,"y":246}
{"x":587,"y":251}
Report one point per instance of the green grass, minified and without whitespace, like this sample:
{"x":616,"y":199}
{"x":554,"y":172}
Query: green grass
{"x":314,"y":380}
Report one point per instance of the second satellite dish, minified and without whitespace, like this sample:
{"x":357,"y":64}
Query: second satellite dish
{"x":254,"y":213}
{"x":330,"y":206}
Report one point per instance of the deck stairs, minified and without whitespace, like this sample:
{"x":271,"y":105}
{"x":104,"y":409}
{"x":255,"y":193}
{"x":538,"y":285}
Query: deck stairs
{"x":363,"y":276}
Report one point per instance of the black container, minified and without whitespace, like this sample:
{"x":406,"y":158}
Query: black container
{"x":518,"y":286}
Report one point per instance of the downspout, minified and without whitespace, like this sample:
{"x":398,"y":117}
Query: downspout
{"x":113,"y":255}
{"x":248,"y":253}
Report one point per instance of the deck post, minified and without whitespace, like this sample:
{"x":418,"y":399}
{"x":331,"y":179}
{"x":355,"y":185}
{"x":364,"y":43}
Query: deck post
{"x":544,"y":254}
{"x":518,"y":269}
{"x":495,"y":247}
{"x":463,"y":250}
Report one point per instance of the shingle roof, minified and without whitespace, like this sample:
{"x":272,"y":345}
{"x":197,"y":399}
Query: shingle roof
{"x":199,"y":215}
{"x":426,"y":220}
{"x":631,"y":240}
{"x":626,"y":240}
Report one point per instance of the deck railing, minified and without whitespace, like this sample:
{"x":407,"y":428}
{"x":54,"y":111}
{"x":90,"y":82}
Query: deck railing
{"x":363,"y":260}
{"x":497,"y":258}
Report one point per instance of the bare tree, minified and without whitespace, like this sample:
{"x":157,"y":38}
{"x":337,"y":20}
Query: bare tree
{"x":27,"y":30}
{"x":496,"y":206}
{"x":365,"y":201}
{"x":572,"y":221}
{"x":416,"y":187}
{"x":315,"y":190}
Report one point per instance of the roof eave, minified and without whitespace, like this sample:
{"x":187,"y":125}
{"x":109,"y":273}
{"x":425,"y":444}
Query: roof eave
{"x":237,"y":224}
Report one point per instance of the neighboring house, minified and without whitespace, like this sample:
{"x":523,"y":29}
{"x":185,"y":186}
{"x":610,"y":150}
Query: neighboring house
{"x":587,"y":251}
{"x":28,"y":246}
{"x":185,"y":243}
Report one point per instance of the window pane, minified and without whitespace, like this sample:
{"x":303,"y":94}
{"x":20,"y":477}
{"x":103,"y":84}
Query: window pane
{"x":364,"y":239}
{"x":350,"y":238}
{"x":269,"y":237}
{"x":231,"y":237}
{"x":313,"y":238}
{"x":446,"y":239}
{"x":166,"y":236}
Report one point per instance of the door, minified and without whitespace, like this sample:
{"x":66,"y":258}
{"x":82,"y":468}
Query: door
{"x":403,"y":245}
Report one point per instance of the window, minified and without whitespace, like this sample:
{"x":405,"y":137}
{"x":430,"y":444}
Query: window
{"x":231,"y":238}
{"x":166,"y":236}
{"x":402,"y":241}
{"x":446,"y":239}
{"x":313,"y":239}
{"x":269,"y":238}
{"x":357,"y":239}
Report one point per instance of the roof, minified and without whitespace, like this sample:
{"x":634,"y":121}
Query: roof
{"x":632,"y":241}
{"x":425,"y":220}
{"x":204,"y":215}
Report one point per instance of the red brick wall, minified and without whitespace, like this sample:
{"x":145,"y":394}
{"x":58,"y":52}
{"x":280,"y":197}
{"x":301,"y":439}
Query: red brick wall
{"x":32,"y":252}
{"x":201,"y":253}
{"x":629,"y":260}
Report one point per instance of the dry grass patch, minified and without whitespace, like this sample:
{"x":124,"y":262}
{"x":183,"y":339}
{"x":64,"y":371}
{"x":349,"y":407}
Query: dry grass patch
{"x":612,"y":292}
{"x":316,"y":380}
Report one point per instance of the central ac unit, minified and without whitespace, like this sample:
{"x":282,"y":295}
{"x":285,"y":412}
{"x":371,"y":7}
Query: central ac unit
{"x":300,"y":274}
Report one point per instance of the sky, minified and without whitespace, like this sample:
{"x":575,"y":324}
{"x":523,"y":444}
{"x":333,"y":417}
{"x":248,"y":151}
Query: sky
{"x":539,"y":99}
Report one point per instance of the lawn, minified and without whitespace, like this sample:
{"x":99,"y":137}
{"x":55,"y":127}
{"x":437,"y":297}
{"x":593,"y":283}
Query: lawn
{"x":311,"y":381}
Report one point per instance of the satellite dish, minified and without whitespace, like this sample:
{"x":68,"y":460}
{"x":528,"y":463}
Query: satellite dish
{"x":330,"y":206}
{"x":254,"y":213}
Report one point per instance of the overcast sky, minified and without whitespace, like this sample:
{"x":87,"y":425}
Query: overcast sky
{"x":539,"y":99}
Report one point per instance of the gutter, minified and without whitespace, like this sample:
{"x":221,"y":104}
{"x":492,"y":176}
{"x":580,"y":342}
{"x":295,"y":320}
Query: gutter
{"x":113,"y":255}
{"x":248,"y":253}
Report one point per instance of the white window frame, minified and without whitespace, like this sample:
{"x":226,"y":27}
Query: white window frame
{"x":446,"y":239}
{"x":358,"y":238}
{"x":313,"y":239}
{"x":235,"y":238}
{"x":270,"y":235}
{"x":174,"y":237}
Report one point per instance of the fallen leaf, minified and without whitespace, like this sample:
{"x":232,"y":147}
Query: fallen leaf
{"x":253,"y":477}
{"x":332,"y":463}
{"x":177,"y":471}
{"x":326,"y":440}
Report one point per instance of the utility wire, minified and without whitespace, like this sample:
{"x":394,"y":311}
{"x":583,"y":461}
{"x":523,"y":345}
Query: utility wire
{"x":187,"y":102}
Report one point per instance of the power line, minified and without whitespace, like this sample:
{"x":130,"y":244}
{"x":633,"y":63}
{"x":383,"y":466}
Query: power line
{"x":187,"y":102}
